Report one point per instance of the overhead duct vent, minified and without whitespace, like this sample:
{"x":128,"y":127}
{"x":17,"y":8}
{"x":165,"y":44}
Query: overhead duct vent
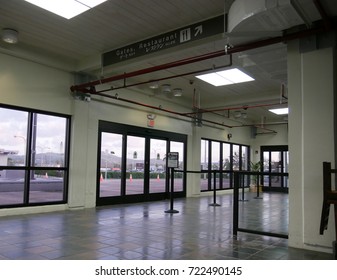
{"x":261,"y":18}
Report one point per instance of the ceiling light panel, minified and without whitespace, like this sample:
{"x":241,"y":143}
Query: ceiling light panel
{"x":66,"y":8}
{"x":226,"y":77}
{"x":280,"y":111}
{"x":214,"y":79}
{"x":235,"y":76}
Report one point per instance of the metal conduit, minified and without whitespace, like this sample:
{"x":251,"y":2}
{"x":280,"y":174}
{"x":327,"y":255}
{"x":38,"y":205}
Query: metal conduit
{"x":159,"y":109}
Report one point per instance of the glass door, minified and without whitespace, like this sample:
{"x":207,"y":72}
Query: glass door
{"x":158,"y":151}
{"x":132,"y":165}
{"x":135,"y":165}
{"x":110,"y":165}
{"x":178,"y":176}
{"x":275,"y":161}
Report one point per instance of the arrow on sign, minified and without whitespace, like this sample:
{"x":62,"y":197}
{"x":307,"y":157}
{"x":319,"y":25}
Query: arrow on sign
{"x":198,"y":30}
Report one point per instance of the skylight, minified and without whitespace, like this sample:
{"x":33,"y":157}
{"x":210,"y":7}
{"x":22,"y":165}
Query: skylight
{"x":280,"y":111}
{"x":66,"y":8}
{"x":225,"y":77}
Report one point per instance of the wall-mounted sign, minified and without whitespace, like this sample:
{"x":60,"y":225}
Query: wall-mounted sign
{"x":173,"y":160}
{"x":193,"y":32}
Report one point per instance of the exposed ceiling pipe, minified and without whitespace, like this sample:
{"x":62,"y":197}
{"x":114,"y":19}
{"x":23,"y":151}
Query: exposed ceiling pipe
{"x":84,"y":87}
{"x":88,"y":87}
{"x":169,"y":77}
{"x":234,"y":108}
{"x":116,"y":97}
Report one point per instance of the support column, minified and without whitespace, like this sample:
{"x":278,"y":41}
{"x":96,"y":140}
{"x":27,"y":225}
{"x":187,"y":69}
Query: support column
{"x":311,"y":141}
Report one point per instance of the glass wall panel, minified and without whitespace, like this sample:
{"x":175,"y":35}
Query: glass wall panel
{"x":12,"y":185}
{"x":48,"y":145}
{"x":266,"y":159}
{"x":158,"y":151}
{"x":46,"y":186}
{"x":13,"y":129}
{"x":244,"y":158}
{"x":226,"y":155}
{"x":111,"y":164}
{"x":276,"y":167}
{"x":215,"y":155}
{"x":236,"y":157}
{"x":135,"y":165}
{"x":285,"y":168}
{"x":178,"y":176}
{"x":204,"y":164}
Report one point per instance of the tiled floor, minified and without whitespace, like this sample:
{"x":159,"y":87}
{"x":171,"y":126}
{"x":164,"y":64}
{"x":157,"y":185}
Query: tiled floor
{"x":145,"y":231}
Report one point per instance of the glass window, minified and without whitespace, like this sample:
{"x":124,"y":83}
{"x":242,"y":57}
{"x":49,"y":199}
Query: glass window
{"x":44,"y":175}
{"x":236,"y":157}
{"x":226,"y":157}
{"x":48,"y":145}
{"x":13,"y":129}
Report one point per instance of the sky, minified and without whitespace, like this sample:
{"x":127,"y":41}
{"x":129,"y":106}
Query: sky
{"x":13,"y":130}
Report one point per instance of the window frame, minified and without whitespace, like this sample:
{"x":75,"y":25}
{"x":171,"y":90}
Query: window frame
{"x":220,"y":185}
{"x":29,"y":165}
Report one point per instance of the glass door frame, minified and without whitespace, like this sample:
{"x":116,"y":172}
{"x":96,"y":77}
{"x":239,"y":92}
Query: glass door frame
{"x":282,"y":171}
{"x":147,"y":134}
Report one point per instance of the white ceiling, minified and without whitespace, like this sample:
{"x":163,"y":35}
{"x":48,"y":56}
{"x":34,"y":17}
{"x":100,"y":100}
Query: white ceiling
{"x":78,"y":43}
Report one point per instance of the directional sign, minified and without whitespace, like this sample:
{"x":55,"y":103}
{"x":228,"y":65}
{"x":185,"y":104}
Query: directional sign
{"x":170,"y":39}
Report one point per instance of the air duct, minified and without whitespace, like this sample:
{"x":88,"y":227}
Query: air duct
{"x":261,"y":18}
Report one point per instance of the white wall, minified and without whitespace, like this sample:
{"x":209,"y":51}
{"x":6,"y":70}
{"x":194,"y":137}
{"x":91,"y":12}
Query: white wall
{"x":311,"y":141}
{"x":32,"y":85}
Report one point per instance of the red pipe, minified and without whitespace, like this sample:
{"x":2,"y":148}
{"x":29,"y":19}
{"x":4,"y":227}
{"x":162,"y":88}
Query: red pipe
{"x":234,"y":108}
{"x":149,"y":70}
{"x":158,"y":108}
{"x":169,"y":77}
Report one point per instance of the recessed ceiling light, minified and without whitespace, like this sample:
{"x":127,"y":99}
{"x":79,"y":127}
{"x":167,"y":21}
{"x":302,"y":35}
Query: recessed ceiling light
{"x":225,"y":77}
{"x":280,"y":111}
{"x":66,"y":8}
{"x":9,"y":36}
{"x":177,"y":92}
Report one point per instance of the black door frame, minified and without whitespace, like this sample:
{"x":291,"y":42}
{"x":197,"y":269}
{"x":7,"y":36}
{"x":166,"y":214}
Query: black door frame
{"x":276,"y":148}
{"x":128,"y":130}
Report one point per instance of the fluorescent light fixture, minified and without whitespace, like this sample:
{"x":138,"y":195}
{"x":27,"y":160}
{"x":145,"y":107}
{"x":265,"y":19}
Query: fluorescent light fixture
{"x":66,"y":8}
{"x":280,"y":111}
{"x":225,"y":77}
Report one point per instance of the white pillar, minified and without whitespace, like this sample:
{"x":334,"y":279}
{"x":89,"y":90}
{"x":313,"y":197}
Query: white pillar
{"x":311,"y":141}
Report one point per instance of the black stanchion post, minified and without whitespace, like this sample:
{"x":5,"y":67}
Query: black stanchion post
{"x":171,"y":210}
{"x":236,"y":203}
{"x":243,"y":188}
{"x":214,"y":191}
